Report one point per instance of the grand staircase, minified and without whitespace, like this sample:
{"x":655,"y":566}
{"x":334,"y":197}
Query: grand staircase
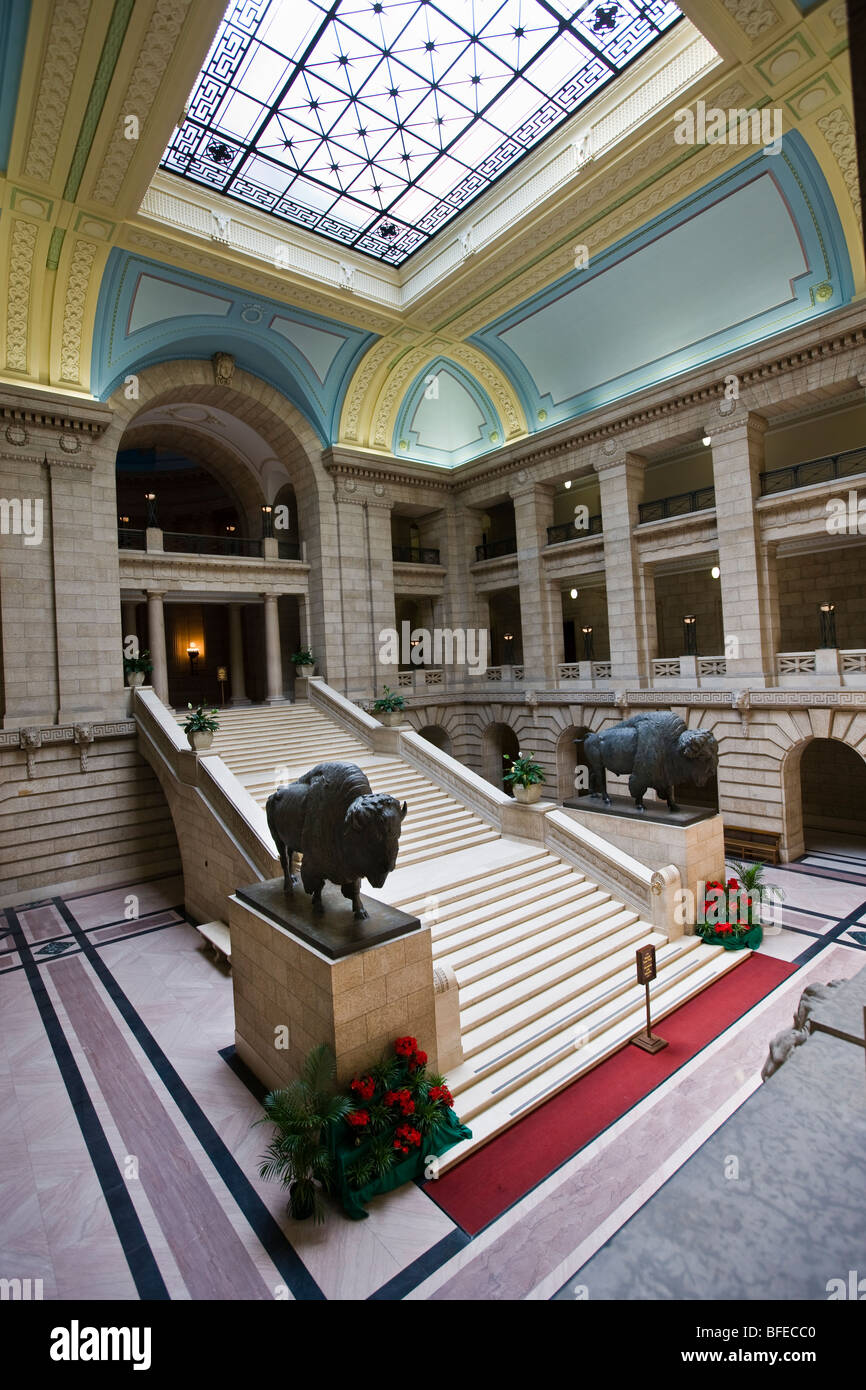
{"x":544,"y":957}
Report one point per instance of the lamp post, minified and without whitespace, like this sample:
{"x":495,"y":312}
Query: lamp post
{"x":508,"y":638}
{"x":690,"y":634}
{"x":193,"y":654}
{"x":587,"y":643}
{"x":827,"y":618}
{"x":267,"y":523}
{"x":152,"y":517}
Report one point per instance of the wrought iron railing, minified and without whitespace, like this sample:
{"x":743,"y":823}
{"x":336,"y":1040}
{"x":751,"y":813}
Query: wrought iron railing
{"x":490,"y":549}
{"x":184,"y":542}
{"x":407,"y":555}
{"x":680,"y":504}
{"x":823,"y":470}
{"x":130,"y":540}
{"x":567,"y":531}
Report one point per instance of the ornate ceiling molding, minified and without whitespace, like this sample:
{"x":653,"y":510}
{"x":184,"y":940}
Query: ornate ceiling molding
{"x":77,"y":287}
{"x":21,"y":252}
{"x":65,"y":30}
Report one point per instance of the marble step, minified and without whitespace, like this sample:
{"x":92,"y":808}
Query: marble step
{"x":458,"y":894}
{"x":564,"y":1065}
{"x":475,"y":930}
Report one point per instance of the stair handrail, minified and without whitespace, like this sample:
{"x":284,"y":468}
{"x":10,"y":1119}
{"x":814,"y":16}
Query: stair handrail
{"x":225,"y":796}
{"x":651,"y":891}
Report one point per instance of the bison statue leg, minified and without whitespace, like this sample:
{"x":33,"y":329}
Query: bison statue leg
{"x":637,"y":786}
{"x":286,"y":863}
{"x":667,"y":794}
{"x":595,"y":762}
{"x":352,"y":891}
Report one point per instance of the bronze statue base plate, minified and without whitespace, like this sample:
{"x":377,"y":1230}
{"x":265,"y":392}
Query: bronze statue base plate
{"x":650,"y":1044}
{"x":625,"y":809}
{"x":334,"y":932}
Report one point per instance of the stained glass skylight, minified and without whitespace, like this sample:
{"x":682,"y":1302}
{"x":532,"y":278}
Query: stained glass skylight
{"x":373,"y":122}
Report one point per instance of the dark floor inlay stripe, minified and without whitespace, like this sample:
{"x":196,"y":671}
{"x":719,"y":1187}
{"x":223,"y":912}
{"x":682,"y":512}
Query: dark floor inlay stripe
{"x":139,"y":1256}
{"x":295,"y":1274}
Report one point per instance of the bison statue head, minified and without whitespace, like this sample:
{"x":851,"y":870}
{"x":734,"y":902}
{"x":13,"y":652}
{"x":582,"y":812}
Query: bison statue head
{"x":700,"y":748}
{"x":372,"y":834}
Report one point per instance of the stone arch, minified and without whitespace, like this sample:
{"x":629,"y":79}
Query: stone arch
{"x":569,"y":756}
{"x":794,"y":811}
{"x":498,"y":740}
{"x":222,"y":461}
{"x":439,"y":737}
{"x":288,"y":436}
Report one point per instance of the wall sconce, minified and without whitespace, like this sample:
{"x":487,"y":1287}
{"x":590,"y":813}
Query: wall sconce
{"x":231,"y":529}
{"x":567,"y":485}
{"x":267,"y":522}
{"x":193,"y":653}
{"x":572,"y":593}
{"x":124,"y":520}
{"x":715,"y":572}
{"x":707,"y":441}
{"x":152,"y":518}
{"x":827,"y":616}
{"x":587,"y":643}
{"x":690,"y":634}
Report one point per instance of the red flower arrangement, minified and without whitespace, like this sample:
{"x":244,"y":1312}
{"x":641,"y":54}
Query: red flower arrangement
{"x":727,"y":916}
{"x":364,"y":1086}
{"x":441,"y":1093}
{"x":403,"y":1098}
{"x":358,"y":1119}
{"x":405,"y":1137}
{"x":406,"y":1047}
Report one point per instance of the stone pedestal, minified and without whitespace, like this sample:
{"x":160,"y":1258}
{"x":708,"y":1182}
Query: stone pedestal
{"x":300,"y":980}
{"x":692,"y":838}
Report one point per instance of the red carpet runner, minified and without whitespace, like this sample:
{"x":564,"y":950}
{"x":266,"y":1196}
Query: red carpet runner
{"x":481,"y":1187}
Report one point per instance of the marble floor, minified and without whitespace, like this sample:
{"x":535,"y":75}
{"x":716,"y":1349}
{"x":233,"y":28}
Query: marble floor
{"x":130,"y":1161}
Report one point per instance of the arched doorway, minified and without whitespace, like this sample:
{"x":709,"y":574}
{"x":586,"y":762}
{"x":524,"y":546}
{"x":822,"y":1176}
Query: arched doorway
{"x":832,"y":790}
{"x":499,"y":742}
{"x":570,"y":757}
{"x":434,"y":733}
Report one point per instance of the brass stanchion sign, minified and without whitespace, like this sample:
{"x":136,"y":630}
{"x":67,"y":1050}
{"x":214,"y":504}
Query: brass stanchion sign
{"x":647,"y":971}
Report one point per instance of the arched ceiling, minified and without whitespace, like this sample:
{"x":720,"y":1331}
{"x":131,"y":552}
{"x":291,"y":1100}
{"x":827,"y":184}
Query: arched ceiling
{"x":108,"y":265}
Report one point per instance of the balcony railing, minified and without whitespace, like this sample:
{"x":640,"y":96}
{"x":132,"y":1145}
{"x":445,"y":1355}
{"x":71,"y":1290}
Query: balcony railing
{"x":823,"y":470}
{"x":567,"y":531}
{"x":581,"y":670}
{"x":131,"y":540}
{"x":406,"y":555}
{"x":288,"y":550}
{"x":679,"y":505}
{"x":188,"y":544}
{"x":491,"y":549}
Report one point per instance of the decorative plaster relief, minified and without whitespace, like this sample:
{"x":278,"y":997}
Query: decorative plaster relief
{"x":65,"y":35}
{"x":18,"y":301}
{"x":838,"y":131}
{"x":77,"y":286}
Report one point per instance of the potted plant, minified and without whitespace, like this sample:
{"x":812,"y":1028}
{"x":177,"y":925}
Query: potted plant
{"x":136,"y":668}
{"x":299,"y":1153}
{"x":200,"y":727}
{"x":728,"y":918}
{"x":526,"y":778}
{"x":304,"y":662}
{"x":751,"y":877}
{"x":390,"y":707}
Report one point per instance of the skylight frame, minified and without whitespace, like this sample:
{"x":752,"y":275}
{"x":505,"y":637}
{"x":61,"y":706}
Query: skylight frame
{"x":202,"y":135}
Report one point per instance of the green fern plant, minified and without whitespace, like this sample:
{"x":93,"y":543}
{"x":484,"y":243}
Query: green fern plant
{"x":303,"y":1113}
{"x":751,"y":876}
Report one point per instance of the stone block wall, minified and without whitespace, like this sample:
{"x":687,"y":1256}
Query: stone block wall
{"x":834,"y":575}
{"x":65,"y":829}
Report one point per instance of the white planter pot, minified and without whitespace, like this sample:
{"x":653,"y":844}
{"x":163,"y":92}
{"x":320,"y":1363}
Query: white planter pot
{"x":528,"y":795}
{"x":305,"y":671}
{"x":390,"y":718}
{"x":135,"y":679}
{"x":200,"y":740}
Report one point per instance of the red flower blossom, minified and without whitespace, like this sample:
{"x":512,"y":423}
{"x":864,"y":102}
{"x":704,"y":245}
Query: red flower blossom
{"x":364,"y":1086}
{"x":406,"y":1047}
{"x":441,"y":1094}
{"x":358,"y":1118}
{"x":421,"y":1058}
{"x":733,"y":883}
{"x":725,"y":929}
{"x":401,"y":1098}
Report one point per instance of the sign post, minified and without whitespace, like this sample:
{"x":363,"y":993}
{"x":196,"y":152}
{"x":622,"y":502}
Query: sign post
{"x":222,"y":677}
{"x":646,"y":971}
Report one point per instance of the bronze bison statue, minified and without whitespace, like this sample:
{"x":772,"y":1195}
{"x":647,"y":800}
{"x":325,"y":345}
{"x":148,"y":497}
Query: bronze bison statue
{"x":344,"y":830}
{"x":657,"y":750}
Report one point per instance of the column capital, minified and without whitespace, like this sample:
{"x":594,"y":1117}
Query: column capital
{"x":625,"y":458}
{"x":156,"y":593}
{"x":740,"y":420}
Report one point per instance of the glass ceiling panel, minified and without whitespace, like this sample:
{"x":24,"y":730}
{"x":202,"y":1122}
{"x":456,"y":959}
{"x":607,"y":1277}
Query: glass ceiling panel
{"x":374,"y":122}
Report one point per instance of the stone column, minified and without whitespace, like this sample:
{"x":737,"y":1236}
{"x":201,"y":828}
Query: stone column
{"x":236,"y":656}
{"x":273,"y":657}
{"x":156,"y":643}
{"x":738,"y":459}
{"x":631,"y":626}
{"x":533,"y":513}
{"x":380,"y":584}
